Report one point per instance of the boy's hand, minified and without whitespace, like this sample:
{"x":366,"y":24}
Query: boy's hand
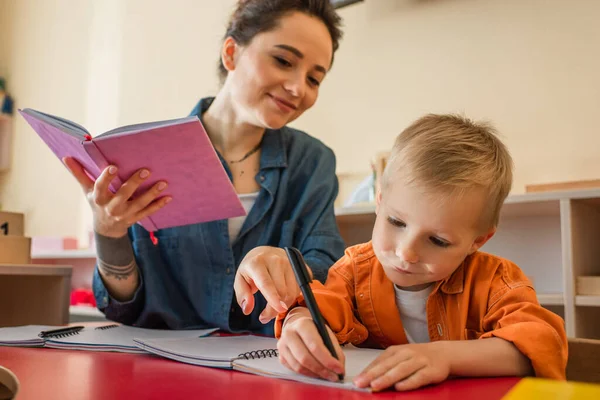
{"x":406,"y":367}
{"x":302,"y":350}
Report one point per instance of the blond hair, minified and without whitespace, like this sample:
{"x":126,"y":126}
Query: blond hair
{"x":452,"y":154}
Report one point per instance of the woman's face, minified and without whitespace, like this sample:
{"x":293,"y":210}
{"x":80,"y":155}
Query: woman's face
{"x":276,"y":77}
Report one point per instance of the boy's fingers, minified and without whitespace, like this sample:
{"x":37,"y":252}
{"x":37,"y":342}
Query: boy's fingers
{"x":288,"y":360}
{"x":376,"y":370}
{"x":396,"y":374}
{"x":306,"y":360}
{"x":315,"y":346}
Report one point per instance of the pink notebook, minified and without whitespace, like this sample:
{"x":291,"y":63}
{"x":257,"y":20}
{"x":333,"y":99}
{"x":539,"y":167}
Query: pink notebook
{"x":177,"y":151}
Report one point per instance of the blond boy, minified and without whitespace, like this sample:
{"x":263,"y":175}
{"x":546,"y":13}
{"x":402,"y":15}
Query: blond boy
{"x":421,"y":289}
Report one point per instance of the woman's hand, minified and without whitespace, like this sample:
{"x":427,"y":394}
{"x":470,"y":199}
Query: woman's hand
{"x":115,"y":212}
{"x":302,"y":350}
{"x":268,"y":270}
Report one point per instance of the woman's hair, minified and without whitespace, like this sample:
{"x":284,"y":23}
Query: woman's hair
{"x":252,"y":17}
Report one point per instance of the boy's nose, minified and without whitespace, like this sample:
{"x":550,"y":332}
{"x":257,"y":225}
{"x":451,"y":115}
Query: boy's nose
{"x":407,"y":254}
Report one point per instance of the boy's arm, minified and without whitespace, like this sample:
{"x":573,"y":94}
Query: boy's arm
{"x":410,"y":366}
{"x":516,"y":316}
{"x":336,"y":303}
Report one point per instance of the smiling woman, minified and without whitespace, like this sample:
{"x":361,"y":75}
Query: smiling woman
{"x":234,"y":274}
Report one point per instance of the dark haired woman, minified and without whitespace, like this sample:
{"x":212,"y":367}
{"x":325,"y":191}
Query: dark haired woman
{"x":234,"y":274}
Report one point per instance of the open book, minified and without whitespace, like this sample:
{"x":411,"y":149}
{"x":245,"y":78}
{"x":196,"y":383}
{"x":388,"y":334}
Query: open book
{"x":176,"y":151}
{"x":251,"y":354}
{"x":110,"y":337}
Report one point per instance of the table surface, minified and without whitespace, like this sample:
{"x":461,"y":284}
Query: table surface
{"x":83,"y":375}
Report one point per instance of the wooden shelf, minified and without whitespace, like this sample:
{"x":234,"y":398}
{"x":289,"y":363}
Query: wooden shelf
{"x":64,"y":254}
{"x":35,"y":270}
{"x":551,"y":299}
{"x":590,"y":301}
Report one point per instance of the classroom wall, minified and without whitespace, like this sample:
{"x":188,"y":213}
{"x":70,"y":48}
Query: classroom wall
{"x":45,"y":56}
{"x":530,"y":66}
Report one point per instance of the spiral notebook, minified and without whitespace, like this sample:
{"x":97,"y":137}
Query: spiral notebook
{"x":252,"y":354}
{"x":112,"y":337}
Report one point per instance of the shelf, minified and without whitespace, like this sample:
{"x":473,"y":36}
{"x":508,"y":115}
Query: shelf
{"x":590,"y":301}
{"x":551,"y":299}
{"x":530,"y":204}
{"x":365,"y":208}
{"x":85,"y":311}
{"x":64,"y":254}
{"x":35,"y":270}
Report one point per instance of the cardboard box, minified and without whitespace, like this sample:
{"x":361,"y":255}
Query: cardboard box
{"x":15,"y":250}
{"x":12,"y":224}
{"x":588,"y":285}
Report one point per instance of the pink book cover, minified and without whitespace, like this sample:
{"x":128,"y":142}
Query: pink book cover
{"x":177,"y":151}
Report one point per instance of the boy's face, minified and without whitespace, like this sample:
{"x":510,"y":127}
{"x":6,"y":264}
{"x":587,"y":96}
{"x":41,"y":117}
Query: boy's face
{"x":422,"y":237}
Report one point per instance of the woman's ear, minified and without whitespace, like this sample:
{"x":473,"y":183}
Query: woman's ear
{"x":481,"y":240}
{"x":228,"y":53}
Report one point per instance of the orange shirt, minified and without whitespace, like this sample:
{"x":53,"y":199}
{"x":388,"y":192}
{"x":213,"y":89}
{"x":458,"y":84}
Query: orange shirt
{"x":487,"y":296}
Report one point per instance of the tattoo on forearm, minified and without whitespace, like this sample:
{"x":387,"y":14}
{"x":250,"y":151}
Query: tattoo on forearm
{"x":119,"y":272}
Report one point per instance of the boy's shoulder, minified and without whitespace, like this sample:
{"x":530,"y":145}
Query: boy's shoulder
{"x":481,"y":267}
{"x":362,"y":252}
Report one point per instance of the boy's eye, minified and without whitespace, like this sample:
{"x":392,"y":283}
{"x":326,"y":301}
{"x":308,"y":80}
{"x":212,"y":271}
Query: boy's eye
{"x":396,"y":222}
{"x":439,"y":242}
{"x":282,"y":61}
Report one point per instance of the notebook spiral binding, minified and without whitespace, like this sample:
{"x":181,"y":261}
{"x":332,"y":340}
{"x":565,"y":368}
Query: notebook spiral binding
{"x":264,"y":353}
{"x":107,"y":327}
{"x":61,"y":335}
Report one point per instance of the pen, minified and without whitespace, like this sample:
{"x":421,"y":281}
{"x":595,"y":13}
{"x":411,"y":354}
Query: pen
{"x":60,"y":331}
{"x":303,"y":278}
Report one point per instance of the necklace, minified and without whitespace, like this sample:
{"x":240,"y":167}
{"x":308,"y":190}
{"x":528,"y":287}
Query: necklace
{"x":248,"y":154}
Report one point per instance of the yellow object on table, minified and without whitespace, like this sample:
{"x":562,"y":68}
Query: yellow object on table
{"x":545,"y":389}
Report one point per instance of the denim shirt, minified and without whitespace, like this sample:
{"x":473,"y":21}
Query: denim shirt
{"x":186,"y":280}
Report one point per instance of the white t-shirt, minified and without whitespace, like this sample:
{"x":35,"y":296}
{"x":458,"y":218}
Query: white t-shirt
{"x":235,"y":224}
{"x":413,"y":313}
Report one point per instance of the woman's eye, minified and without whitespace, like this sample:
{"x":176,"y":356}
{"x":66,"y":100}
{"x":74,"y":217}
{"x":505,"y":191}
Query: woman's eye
{"x":396,"y":222}
{"x":439,"y":242}
{"x":314,"y":82}
{"x":283,"y":62}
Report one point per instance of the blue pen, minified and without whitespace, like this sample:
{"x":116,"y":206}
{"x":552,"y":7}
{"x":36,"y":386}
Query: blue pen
{"x":303,"y":278}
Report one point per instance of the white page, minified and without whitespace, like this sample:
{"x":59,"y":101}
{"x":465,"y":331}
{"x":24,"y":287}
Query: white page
{"x":24,"y":335}
{"x":215,"y":349}
{"x":357,"y":360}
{"x":119,"y":337}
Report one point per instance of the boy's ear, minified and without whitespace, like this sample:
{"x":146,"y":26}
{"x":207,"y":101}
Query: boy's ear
{"x":481,"y":240}
{"x":229,"y":53}
{"x":377,"y":201}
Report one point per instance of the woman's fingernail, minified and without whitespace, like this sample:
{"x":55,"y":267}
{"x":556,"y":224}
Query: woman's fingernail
{"x":285,"y":307}
{"x":263,"y":320}
{"x":112,"y":170}
{"x":244,"y":303}
{"x":144,"y":174}
{"x":168,"y":200}
{"x":162,"y":186}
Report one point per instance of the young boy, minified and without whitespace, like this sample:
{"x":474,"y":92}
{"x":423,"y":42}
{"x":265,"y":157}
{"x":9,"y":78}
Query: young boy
{"x":421,"y":289}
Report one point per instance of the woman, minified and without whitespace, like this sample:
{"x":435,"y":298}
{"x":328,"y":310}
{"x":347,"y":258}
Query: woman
{"x":274,"y":56}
